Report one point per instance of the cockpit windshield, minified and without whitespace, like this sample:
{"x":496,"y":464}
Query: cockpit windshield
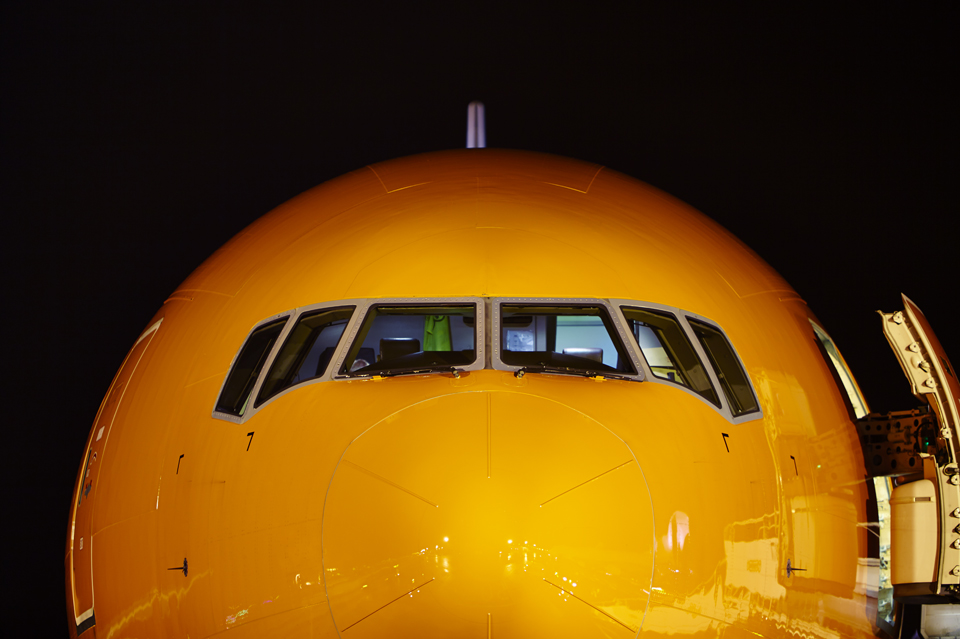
{"x":573,"y":338}
{"x":395,"y":340}
{"x":371,"y":339}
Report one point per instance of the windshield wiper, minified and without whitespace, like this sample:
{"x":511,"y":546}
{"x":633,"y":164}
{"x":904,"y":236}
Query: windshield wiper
{"x":409,"y":370}
{"x":413,"y":370}
{"x":567,"y":370}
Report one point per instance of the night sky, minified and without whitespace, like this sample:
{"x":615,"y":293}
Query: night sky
{"x":136,"y":139}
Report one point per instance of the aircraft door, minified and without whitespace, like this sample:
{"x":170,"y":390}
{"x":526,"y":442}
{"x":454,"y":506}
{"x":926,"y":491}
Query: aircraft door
{"x":934,"y":381}
{"x":81,"y":538}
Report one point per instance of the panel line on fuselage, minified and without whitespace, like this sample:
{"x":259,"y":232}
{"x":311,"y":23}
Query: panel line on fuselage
{"x":489,"y":434}
{"x":387,"y":481}
{"x":588,"y":481}
{"x":414,"y":589}
{"x":600,"y":610}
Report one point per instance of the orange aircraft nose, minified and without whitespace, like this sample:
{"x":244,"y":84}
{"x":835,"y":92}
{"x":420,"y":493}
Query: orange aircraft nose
{"x":488,"y":514}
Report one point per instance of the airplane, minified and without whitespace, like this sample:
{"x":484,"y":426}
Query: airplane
{"x":492,"y":393}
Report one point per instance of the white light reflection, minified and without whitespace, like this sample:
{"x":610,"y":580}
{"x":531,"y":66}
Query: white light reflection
{"x":677,"y":531}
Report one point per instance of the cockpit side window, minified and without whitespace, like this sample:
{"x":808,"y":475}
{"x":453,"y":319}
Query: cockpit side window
{"x":307,"y":350}
{"x":246,"y":369}
{"x":561,"y":336}
{"x":726,"y":364}
{"x":841,"y":372}
{"x":668,"y":351}
{"x":395,"y":339}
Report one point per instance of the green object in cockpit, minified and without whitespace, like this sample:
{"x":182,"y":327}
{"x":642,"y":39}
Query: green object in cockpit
{"x":436,"y":333}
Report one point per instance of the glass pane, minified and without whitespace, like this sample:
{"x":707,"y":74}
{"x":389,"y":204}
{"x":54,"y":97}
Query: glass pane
{"x":733,"y":379}
{"x":401,"y":337}
{"x":307,"y":351}
{"x":668,"y":351}
{"x":247,"y":368}
{"x":579,"y":337}
{"x":843,"y":373}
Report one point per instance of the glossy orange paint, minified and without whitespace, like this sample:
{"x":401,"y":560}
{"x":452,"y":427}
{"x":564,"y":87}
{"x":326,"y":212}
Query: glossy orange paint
{"x":484,"y":505}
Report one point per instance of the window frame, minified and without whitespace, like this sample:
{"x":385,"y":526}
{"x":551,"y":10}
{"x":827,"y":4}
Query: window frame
{"x":682,"y":316}
{"x":840,"y":377}
{"x":292,"y":317}
{"x":711,"y":379}
{"x":615,"y":317}
{"x":736,"y":357}
{"x":287,"y":334}
{"x":363,"y":308}
{"x":239,"y":419}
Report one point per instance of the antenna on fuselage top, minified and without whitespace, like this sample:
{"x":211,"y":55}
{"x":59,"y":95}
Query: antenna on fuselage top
{"x":476,"y":129}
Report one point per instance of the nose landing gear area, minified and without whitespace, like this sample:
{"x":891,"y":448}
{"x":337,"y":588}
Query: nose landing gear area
{"x":488,"y":513}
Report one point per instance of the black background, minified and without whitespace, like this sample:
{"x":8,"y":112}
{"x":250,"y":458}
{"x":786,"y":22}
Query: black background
{"x":136,"y":139}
